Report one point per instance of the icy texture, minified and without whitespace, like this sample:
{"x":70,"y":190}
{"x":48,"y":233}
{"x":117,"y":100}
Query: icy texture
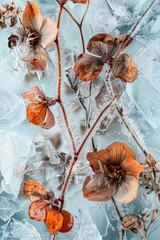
{"x":12,"y":109}
{"x":20,"y":230}
{"x":15,"y":150}
{"x":8,"y":208}
{"x":87,"y":229}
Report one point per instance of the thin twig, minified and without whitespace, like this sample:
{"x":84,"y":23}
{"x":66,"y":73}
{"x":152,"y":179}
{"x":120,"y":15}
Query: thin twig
{"x":120,"y":217}
{"x":79,"y":25}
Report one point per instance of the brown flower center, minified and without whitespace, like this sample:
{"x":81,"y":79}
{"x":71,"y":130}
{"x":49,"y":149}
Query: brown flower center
{"x":115,"y":173}
{"x":107,"y":59}
{"x":33,"y":36}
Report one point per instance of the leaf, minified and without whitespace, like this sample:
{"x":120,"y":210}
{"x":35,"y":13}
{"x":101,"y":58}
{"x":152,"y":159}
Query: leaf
{"x":12,"y":109}
{"x":8,"y":208}
{"x":15,"y":150}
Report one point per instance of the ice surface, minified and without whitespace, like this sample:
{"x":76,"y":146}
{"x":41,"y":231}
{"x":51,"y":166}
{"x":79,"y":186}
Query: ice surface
{"x":15,"y":150}
{"x":12,"y":109}
{"x":8,"y":208}
{"x":20,"y":230}
{"x":148,"y":84}
{"x":87,"y":229}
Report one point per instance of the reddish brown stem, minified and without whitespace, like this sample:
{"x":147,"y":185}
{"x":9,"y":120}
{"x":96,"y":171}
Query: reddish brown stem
{"x":67,"y":126}
{"x":59,"y":57}
{"x":79,"y":25}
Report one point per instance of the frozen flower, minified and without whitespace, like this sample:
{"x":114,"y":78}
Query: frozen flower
{"x":103,"y":49}
{"x":44,"y":207}
{"x":38,"y":33}
{"x":116,"y":173}
{"x":38,"y":111}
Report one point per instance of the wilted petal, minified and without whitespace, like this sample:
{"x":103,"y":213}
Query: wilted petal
{"x":119,"y":152}
{"x":132,"y":167}
{"x":127,"y":190}
{"x":125,"y":68}
{"x":32,"y":17}
{"x":53,"y":221}
{"x":38,"y":53}
{"x":104,"y":44}
{"x":35,"y":190}
{"x":98,"y":44}
{"x":33,"y":95}
{"x":48,"y":32}
{"x":96,"y":159}
{"x":68,"y":221}
{"x":98,"y":189}
{"x":37,"y":210}
{"x":49,"y":120}
{"x":88,"y":67}
{"x":36,"y":113}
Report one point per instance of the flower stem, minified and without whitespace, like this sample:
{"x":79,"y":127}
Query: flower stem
{"x":120,"y":217}
{"x":59,"y":56}
{"x":79,"y":25}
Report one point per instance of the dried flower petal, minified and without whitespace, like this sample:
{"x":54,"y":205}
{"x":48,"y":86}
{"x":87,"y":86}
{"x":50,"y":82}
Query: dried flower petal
{"x":37,"y":210}
{"x":35,"y":191}
{"x":38,"y":111}
{"x":125,"y":68}
{"x":68,"y":221}
{"x":104,"y":44}
{"x":53,"y":221}
{"x":88,"y":67}
{"x":127,"y":190}
{"x":32,"y":17}
{"x":98,"y":188}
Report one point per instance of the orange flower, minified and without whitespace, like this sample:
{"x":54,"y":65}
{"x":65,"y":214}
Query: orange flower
{"x":39,"y":33}
{"x":45,"y":208}
{"x":38,"y":111}
{"x":103,"y":49}
{"x":116,"y":173}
